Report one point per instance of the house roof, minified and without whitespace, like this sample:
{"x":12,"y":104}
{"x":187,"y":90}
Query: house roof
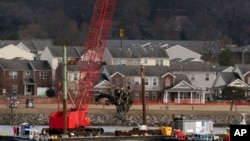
{"x":228,"y":77}
{"x":201,"y":47}
{"x":181,"y":77}
{"x":136,"y":70}
{"x":74,"y":52}
{"x":24,"y":65}
{"x":192,"y":66}
{"x":40,"y":65}
{"x":244,"y":68}
{"x":33,"y":45}
{"x":137,"y":52}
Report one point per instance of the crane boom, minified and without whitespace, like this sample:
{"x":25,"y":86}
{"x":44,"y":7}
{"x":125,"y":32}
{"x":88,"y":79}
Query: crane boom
{"x":94,"y":49}
{"x":90,"y":65}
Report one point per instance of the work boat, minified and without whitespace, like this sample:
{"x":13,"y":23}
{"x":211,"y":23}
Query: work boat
{"x":27,"y":132}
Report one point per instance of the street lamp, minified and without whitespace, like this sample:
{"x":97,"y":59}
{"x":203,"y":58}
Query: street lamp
{"x":243,"y":55}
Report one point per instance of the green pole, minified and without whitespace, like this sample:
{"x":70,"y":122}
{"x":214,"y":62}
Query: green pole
{"x":64,"y":91}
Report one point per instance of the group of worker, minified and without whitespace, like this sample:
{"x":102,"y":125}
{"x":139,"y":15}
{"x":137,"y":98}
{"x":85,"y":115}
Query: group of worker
{"x":16,"y":130}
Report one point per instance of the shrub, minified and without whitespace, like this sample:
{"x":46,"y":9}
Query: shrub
{"x":50,"y":92}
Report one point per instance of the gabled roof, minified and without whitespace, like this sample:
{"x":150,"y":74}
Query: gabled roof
{"x":127,"y":70}
{"x":74,"y":52}
{"x":181,"y":77}
{"x":193,"y":66}
{"x":244,"y":68}
{"x":24,"y":65}
{"x":40,"y":65}
{"x":137,"y":52}
{"x":11,"y":51}
{"x":173,"y":49}
{"x":229,"y":77}
{"x":33,"y":45}
{"x":183,"y":85}
{"x":104,"y":84}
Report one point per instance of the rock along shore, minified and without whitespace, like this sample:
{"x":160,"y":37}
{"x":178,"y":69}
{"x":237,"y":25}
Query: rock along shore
{"x":131,"y":120}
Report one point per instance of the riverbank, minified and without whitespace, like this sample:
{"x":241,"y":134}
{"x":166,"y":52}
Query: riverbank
{"x":157,"y":114}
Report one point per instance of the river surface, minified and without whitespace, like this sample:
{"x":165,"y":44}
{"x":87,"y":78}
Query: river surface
{"x":8,"y":130}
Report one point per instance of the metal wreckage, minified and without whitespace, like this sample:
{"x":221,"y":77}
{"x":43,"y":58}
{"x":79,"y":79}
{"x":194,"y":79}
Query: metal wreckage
{"x":122,"y":99}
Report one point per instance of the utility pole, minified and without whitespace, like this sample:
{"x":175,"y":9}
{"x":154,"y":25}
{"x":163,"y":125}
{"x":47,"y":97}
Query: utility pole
{"x":143,"y":94}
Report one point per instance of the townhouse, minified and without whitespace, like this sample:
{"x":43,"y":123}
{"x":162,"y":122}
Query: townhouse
{"x":201,"y":74}
{"x":54,"y":55}
{"x":238,"y":76}
{"x":174,"y":69}
{"x":25,"y":77}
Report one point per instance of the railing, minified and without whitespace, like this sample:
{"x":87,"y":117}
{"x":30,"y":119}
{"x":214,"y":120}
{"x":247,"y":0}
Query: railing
{"x":189,"y":101}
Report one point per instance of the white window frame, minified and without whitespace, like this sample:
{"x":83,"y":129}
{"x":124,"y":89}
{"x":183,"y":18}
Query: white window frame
{"x":154,"y":83}
{"x":13,"y":74}
{"x":154,"y":96}
{"x":75,"y":76}
{"x":43,"y":75}
{"x":207,"y":77}
{"x":146,"y":81}
{"x":192,"y":76}
{"x":161,"y":62}
{"x":157,"y":62}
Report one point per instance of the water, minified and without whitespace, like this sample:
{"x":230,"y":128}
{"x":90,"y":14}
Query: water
{"x":8,"y":130}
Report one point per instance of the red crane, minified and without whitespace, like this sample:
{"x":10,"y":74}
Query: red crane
{"x":89,"y":67}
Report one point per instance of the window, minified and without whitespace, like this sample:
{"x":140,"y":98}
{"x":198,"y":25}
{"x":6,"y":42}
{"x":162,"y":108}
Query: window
{"x":157,"y":62}
{"x":146,"y":81}
{"x":43,"y":75}
{"x":135,"y":62}
{"x":59,"y":61}
{"x":154,"y":82}
{"x":248,"y":80}
{"x":161,"y":62}
{"x":183,"y":95}
{"x":75,"y":76}
{"x":136,"y":96}
{"x":207,"y":88}
{"x":122,"y":62}
{"x":128,"y":81}
{"x":193,"y":76}
{"x":167,"y":82}
{"x":207,"y":77}
{"x":27,"y":73}
{"x":154,"y":96}
{"x":147,"y":95}
{"x":13,"y":74}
